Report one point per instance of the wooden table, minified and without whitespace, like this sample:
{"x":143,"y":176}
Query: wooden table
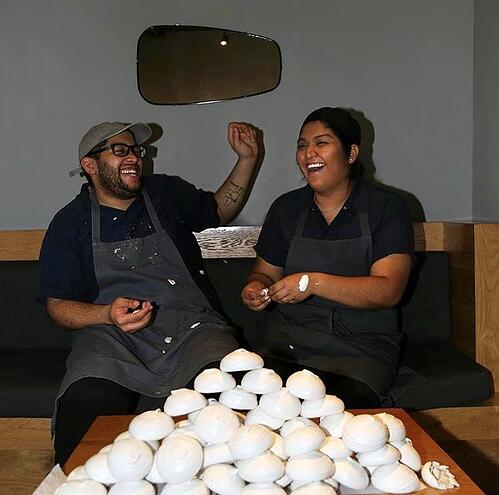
{"x":106,"y":428}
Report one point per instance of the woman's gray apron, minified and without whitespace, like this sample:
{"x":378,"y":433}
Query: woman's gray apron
{"x":326,"y":335}
{"x":185,"y":335}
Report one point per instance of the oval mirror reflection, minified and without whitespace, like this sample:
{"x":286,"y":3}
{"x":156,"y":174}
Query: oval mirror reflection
{"x":193,"y":64}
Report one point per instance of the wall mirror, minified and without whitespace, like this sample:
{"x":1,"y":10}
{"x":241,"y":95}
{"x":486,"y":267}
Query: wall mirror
{"x":192,"y":64}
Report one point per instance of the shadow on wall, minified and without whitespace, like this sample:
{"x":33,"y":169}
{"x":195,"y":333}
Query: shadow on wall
{"x":152,"y":151}
{"x":366,"y":158}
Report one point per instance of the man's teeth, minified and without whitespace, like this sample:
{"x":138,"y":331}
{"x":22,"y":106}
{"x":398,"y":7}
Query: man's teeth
{"x":129,"y":171}
{"x":314,"y":166}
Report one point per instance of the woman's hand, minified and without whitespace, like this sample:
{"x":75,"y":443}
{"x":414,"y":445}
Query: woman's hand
{"x":254,"y":296}
{"x":287,"y":290}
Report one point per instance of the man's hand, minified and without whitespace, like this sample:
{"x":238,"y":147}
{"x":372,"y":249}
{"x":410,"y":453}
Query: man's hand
{"x":130,"y":315}
{"x":242,"y":139}
{"x":254,"y":296}
{"x":286,"y":290}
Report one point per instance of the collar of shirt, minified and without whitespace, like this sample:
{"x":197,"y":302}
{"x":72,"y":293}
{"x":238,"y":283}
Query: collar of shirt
{"x":358,"y":199}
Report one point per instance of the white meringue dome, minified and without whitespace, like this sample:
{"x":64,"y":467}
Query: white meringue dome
{"x":396,"y":427}
{"x":216,"y":423}
{"x":97,"y":469}
{"x":263,"y":489}
{"x":130,"y":459}
{"x":259,"y":416}
{"x":335,"y":448}
{"x":238,"y":398}
{"x":295,"y":423}
{"x":351,"y":474}
{"x":384,"y":455}
{"x":334,"y":423}
{"x":187,"y":429}
{"x":306,"y":385}
{"x":153,"y":476}
{"x":303,"y":440}
{"x":364,"y":433}
{"x":314,"y":466}
{"x":191,"y":487}
{"x":249,"y":441}
{"x":241,"y":360}
{"x":151,"y":425}
{"x":261,"y":381}
{"x":78,"y":473}
{"x":213,"y":380}
{"x":263,"y":468}
{"x":281,"y":404}
{"x":278,"y":446}
{"x":325,"y":406}
{"x":395,"y":478}
{"x":184,"y":401}
{"x":408,"y":454}
{"x":139,"y":487}
{"x":223,"y":479}
{"x":315,"y":488}
{"x":179,"y":459}
{"x":81,"y":487}
{"x":217,"y":453}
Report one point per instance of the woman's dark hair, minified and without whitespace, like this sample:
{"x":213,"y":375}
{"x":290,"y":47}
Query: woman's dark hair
{"x":345,"y":128}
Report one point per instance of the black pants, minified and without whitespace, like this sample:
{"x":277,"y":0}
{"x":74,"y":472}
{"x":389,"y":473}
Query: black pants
{"x":88,"y":398}
{"x":82,"y":402}
{"x":355,"y":394}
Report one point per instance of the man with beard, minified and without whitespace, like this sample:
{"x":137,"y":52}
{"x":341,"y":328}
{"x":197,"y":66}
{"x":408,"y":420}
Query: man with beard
{"x":120,"y":265}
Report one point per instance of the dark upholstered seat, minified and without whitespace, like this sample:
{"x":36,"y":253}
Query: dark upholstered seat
{"x":432,"y":374}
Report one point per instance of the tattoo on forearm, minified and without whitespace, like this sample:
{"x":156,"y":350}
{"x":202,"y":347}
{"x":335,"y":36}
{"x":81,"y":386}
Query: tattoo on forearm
{"x":232,"y":193}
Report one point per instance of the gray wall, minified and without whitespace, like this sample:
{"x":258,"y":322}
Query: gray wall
{"x":406,"y":65}
{"x":486,"y":112}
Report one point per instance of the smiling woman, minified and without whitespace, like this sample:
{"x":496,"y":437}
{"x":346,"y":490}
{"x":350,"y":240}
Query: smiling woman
{"x":353,"y":242}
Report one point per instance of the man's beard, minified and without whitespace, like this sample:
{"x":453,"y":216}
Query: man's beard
{"x":110,"y":179}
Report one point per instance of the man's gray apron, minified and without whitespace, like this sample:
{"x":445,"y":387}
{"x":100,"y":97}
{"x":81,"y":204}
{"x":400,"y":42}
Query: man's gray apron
{"x":185,"y":335}
{"x":326,"y":335}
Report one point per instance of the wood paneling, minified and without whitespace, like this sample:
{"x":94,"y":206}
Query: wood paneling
{"x":20,"y":245}
{"x":228,"y":242}
{"x":470,"y":435}
{"x":26,"y":454}
{"x":487,"y":297}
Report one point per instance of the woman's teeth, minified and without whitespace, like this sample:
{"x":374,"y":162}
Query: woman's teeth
{"x":312,"y":167}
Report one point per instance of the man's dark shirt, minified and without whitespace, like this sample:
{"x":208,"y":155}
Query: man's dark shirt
{"x":66,"y":259}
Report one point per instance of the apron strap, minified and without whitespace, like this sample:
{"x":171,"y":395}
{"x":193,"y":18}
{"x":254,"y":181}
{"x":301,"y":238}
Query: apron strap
{"x":151,"y":211}
{"x":300,"y":225}
{"x":365,"y":230}
{"x":95,"y":217}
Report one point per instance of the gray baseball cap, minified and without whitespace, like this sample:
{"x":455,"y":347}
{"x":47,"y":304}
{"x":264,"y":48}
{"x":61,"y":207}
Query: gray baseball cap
{"x":100,"y":132}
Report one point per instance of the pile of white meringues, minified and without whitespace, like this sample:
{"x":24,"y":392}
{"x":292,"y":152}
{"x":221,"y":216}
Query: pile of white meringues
{"x":273,"y":449}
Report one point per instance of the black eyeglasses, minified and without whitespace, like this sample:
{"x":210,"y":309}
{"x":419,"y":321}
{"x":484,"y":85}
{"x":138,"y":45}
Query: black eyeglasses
{"x":122,"y":150}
